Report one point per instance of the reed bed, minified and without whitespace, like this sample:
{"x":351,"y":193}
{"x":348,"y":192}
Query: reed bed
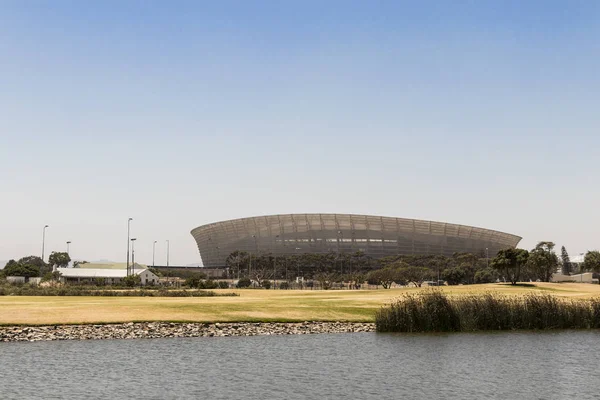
{"x":433,"y":311}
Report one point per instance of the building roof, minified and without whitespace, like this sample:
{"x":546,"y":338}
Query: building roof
{"x":95,"y":273}
{"x":109,"y":266}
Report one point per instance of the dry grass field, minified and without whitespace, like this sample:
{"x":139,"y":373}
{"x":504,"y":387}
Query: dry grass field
{"x":250,"y":305}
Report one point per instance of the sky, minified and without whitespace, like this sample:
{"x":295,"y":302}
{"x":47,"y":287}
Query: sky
{"x":178,"y":114}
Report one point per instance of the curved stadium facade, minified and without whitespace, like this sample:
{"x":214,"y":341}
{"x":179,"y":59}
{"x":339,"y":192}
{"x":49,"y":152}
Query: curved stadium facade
{"x":378,"y":237}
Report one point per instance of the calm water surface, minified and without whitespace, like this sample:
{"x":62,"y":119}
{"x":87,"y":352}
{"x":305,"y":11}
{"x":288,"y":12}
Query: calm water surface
{"x":528,"y":365}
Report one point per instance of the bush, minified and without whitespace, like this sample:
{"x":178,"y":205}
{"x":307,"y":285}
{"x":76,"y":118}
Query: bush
{"x":132,"y":280}
{"x":223,"y":285}
{"x":244,"y":283}
{"x":193,"y":282}
{"x":266,"y":284}
{"x":209,"y":284}
{"x":284,"y":286}
{"x":435,"y":312}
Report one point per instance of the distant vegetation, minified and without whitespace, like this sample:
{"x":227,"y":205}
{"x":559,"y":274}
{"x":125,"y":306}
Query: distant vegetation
{"x":328,"y":270}
{"x":68,"y":290}
{"x":434,"y":311}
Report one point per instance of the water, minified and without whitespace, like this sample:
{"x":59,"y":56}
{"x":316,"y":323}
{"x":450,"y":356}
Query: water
{"x":558,"y":365}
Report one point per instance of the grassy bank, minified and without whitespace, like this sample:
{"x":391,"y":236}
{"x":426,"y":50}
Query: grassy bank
{"x":435,"y":311}
{"x":249,"y":306}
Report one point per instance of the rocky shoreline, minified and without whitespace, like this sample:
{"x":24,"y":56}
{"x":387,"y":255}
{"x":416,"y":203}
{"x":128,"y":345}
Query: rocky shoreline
{"x":152,"y":330}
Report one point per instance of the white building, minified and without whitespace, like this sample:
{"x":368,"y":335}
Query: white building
{"x":108,"y":276}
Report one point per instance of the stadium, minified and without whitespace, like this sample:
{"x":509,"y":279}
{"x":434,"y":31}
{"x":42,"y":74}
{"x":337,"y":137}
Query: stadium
{"x":377,"y":237}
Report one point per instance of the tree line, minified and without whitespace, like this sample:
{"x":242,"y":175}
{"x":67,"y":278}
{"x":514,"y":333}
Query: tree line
{"x":34,"y":266}
{"x":509,"y":265}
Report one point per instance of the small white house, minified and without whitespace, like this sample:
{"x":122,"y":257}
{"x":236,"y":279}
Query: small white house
{"x":108,"y":276}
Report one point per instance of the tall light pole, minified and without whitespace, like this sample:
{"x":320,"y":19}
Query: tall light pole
{"x":133,"y":256}
{"x":68,"y":243}
{"x":275,"y":261}
{"x":44,"y":240}
{"x":581,"y":268}
{"x":153,"y":251}
{"x":297,"y":263}
{"x":167,"y":253}
{"x":128,"y":229}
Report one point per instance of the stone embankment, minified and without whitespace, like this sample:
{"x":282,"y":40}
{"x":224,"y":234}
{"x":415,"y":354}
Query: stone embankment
{"x":148,"y":330}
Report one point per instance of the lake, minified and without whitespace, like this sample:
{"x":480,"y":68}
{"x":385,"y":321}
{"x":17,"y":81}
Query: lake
{"x":511,"y":365}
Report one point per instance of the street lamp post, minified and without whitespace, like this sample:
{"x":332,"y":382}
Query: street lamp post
{"x":275,"y":261}
{"x":297,"y":264}
{"x":153,"y":252}
{"x":340,"y":233}
{"x":133,"y":256}
{"x":44,"y":240}
{"x":168,"y":253}
{"x":128,"y":230}
{"x":68,"y":243}
{"x":250,"y":264}
{"x":581,"y":269}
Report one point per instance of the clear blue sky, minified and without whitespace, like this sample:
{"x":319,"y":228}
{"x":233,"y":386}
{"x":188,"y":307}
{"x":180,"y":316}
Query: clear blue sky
{"x":183,"y":113}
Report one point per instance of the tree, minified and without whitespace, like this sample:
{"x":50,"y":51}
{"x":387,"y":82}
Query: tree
{"x":543,"y":261}
{"x":76,"y":264}
{"x":415,"y":275}
{"x":591,"y":261}
{"x":13,"y":268}
{"x":454,"y":275}
{"x":384,"y":277}
{"x":236,"y":260}
{"x":510,"y":262}
{"x":59,"y":259}
{"x":53,"y":277}
{"x":326,"y":279}
{"x":566,"y":266}
{"x":262,"y":270}
{"x":486,"y":275}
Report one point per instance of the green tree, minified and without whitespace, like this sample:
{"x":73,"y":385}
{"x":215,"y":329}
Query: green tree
{"x":454,"y":275}
{"x":486,"y":275}
{"x":415,"y":275}
{"x":59,"y":259}
{"x":384,"y":277}
{"x":510,"y":262}
{"x":14,"y":268}
{"x":326,"y":280}
{"x":566,"y":266}
{"x":591,"y":261}
{"x":543,"y":261}
{"x":37,"y":263}
{"x":132,"y":280}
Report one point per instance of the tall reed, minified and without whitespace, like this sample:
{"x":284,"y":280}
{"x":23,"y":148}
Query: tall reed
{"x":433,"y":311}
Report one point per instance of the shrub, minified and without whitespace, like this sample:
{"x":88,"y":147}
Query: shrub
{"x":209,"y":284}
{"x":284,"y":285}
{"x":193,"y":282}
{"x":266,"y":284}
{"x":223,"y":285}
{"x":132,"y":280}
{"x":244,"y":283}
